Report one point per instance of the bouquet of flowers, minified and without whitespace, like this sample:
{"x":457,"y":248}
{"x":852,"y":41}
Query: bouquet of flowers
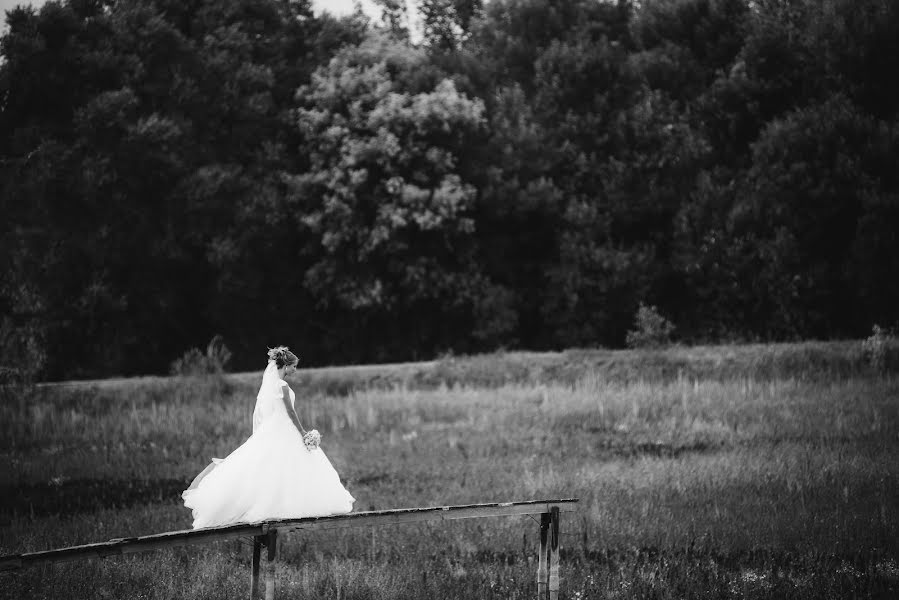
{"x":312,"y":439}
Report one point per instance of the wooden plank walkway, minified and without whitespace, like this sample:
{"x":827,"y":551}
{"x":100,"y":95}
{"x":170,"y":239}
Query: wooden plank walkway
{"x":265,"y":533}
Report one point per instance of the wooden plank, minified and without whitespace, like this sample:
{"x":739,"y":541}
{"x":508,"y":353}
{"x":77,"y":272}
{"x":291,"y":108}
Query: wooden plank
{"x":414,"y":516}
{"x":554,"y":554}
{"x":271,"y":544}
{"x":120,"y":546}
{"x":171,"y":539}
{"x":254,"y":573}
{"x":541,"y":558}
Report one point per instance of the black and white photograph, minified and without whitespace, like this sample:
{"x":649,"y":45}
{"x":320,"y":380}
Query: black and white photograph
{"x":449,"y":299}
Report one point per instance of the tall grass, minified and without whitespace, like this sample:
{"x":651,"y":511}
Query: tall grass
{"x":739,"y":486}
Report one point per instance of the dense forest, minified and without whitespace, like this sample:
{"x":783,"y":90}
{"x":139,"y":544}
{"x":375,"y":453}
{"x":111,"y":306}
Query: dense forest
{"x":517,"y":174}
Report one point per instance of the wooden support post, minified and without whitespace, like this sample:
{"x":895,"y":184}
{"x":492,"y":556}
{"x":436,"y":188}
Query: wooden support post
{"x":554,"y":554}
{"x":542,"y":559}
{"x":271,"y":543}
{"x":254,"y":574}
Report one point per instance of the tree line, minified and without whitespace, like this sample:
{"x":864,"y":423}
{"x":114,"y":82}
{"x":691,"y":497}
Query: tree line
{"x":522,"y":174}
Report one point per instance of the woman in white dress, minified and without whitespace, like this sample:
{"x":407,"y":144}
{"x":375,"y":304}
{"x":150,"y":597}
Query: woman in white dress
{"x":274,"y":474}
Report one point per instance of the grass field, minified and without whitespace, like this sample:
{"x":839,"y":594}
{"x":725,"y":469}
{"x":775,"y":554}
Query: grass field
{"x":715,"y":472}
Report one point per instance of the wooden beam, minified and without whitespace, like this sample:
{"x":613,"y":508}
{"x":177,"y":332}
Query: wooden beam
{"x":120,"y":546}
{"x":171,"y":539}
{"x":416,"y":515}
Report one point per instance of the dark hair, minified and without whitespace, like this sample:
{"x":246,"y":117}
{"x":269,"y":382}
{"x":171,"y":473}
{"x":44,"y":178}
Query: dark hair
{"x":282,"y":356}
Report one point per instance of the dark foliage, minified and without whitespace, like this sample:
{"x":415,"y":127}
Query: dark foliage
{"x":526,"y":176}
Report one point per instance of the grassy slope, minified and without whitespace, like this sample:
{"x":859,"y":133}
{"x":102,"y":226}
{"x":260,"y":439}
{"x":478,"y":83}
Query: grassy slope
{"x":723,"y":362}
{"x":752,"y":471}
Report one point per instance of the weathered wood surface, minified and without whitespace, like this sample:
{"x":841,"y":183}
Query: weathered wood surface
{"x":254,"y":572}
{"x":186,"y":537}
{"x":554,"y":553}
{"x":543,"y":557}
{"x":271,"y":544}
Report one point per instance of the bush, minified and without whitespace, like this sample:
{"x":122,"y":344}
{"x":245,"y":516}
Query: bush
{"x":652,"y":330}
{"x":22,"y":359}
{"x":878,"y":347}
{"x":194,"y":362}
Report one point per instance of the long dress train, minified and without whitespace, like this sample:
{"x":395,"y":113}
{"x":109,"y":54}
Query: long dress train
{"x":270,"y":476}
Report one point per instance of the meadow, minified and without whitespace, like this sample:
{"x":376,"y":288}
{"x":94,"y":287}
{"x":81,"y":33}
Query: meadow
{"x":756,"y":471}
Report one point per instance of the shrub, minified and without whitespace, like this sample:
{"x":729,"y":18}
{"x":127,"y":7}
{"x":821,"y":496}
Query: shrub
{"x":194,"y":362}
{"x":651,"y":329}
{"x":22,"y":358}
{"x":878,"y":347}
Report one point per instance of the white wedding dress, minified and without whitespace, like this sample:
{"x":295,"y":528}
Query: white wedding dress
{"x":270,"y":476}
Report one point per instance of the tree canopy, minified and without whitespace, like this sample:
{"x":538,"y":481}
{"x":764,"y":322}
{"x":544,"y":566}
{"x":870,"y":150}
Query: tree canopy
{"x":525,"y":176}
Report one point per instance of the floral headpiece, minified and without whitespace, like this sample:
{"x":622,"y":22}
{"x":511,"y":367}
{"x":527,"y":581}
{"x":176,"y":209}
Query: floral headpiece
{"x":279,"y":354}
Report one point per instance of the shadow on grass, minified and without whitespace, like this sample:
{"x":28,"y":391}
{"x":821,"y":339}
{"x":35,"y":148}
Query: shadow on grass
{"x":76,"y":496}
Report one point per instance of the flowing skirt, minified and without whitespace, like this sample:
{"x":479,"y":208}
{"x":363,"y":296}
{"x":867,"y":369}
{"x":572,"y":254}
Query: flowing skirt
{"x":270,"y":476}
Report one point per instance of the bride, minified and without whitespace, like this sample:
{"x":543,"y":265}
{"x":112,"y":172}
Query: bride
{"x":278,"y":473}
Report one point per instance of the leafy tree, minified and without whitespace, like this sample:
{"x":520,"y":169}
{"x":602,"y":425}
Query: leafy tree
{"x":777,"y":69}
{"x":387,"y":214}
{"x":859,"y":49}
{"x":512,"y":34}
{"x":130,"y":133}
{"x":811,"y":174}
{"x":394,"y":15}
{"x":446,"y":24}
{"x":525,"y":177}
{"x":712,"y":32}
{"x":781,"y":255}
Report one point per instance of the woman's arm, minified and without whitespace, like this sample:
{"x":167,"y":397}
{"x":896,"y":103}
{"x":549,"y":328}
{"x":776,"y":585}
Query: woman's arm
{"x":290,"y":411}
